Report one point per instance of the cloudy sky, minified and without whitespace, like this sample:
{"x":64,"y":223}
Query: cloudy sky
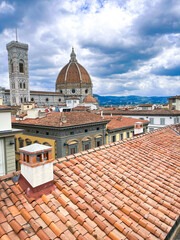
{"x":129,"y":47}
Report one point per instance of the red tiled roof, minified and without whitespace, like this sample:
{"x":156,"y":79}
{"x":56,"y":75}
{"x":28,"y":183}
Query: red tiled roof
{"x":146,"y":105}
{"x":81,"y":108}
{"x":73,"y":72}
{"x":158,"y":111}
{"x":3,"y":107}
{"x":117,"y":122}
{"x":73,"y":118}
{"x":126,"y":190}
{"x":89,"y":99}
{"x":175,"y":97}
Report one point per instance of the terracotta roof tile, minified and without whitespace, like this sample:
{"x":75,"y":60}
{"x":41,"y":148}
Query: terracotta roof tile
{"x":54,"y":119}
{"x":117,"y":122}
{"x":129,"y":190}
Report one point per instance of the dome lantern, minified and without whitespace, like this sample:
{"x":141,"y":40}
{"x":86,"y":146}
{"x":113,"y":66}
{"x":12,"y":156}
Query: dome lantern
{"x":73,"y":56}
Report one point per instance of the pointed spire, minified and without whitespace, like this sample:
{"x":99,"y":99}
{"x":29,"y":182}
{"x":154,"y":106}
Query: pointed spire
{"x":73,"y":56}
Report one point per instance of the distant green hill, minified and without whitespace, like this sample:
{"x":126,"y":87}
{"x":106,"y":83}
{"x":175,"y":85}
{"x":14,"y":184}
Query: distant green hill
{"x":129,"y":100}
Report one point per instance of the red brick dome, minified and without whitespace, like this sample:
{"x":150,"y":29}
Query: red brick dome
{"x":73,"y":72}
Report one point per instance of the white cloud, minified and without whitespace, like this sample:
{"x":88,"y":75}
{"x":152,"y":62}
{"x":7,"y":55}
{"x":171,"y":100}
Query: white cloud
{"x":107,"y":41}
{"x":6,"y":7}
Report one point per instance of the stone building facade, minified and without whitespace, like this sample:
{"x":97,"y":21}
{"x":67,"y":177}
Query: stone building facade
{"x":72,"y":131}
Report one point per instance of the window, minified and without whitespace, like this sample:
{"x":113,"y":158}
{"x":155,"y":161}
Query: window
{"x":47,"y":133}
{"x":71,"y":133}
{"x":73,"y":90}
{"x":32,"y":99}
{"x":24,"y":99}
{"x":127,"y":134}
{"x":24,"y":85}
{"x":132,"y":133}
{"x":176,"y":120}
{"x":20,"y":85}
{"x":98,"y":141}
{"x":121,"y":136}
{"x":141,"y":118}
{"x":87,"y":144}
{"x":59,"y":99}
{"x":72,"y":149}
{"x":113,"y":138}
{"x":61,"y":91}
{"x":86,"y":91}
{"x":97,"y":128}
{"x":47,"y":99}
{"x":86,"y":130}
{"x":37,"y":131}
{"x":12,"y":67}
{"x":21,"y":66}
{"x":151,"y":120}
{"x":151,"y":129}
{"x":21,"y":142}
{"x":162,"y":121}
{"x":174,"y":100}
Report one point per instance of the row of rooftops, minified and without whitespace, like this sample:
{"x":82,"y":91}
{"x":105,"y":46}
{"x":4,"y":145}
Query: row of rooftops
{"x":126,"y":190}
{"x":155,"y":112}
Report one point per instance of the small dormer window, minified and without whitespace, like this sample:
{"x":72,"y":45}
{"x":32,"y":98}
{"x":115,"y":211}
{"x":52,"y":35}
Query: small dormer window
{"x":21,"y":66}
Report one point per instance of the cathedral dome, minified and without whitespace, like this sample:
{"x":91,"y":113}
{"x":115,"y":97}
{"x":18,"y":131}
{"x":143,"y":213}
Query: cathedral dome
{"x":73,"y":73}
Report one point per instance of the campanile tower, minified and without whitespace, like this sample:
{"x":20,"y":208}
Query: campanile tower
{"x":18,"y":72}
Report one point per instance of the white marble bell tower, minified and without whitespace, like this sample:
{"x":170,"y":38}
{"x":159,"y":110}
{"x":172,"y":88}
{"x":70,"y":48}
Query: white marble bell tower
{"x":18,"y":72}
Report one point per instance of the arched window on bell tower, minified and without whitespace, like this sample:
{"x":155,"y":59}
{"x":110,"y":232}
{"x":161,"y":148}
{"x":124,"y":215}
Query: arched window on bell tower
{"x":21,"y":66}
{"x":11,"y":66}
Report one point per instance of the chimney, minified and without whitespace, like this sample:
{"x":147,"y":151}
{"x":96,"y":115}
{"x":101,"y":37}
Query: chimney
{"x":138,"y":128}
{"x":36,"y":176}
{"x":102,"y":115}
{"x":63,"y":118}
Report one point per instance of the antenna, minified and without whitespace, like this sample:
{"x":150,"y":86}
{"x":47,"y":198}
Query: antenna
{"x":16,"y":36}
